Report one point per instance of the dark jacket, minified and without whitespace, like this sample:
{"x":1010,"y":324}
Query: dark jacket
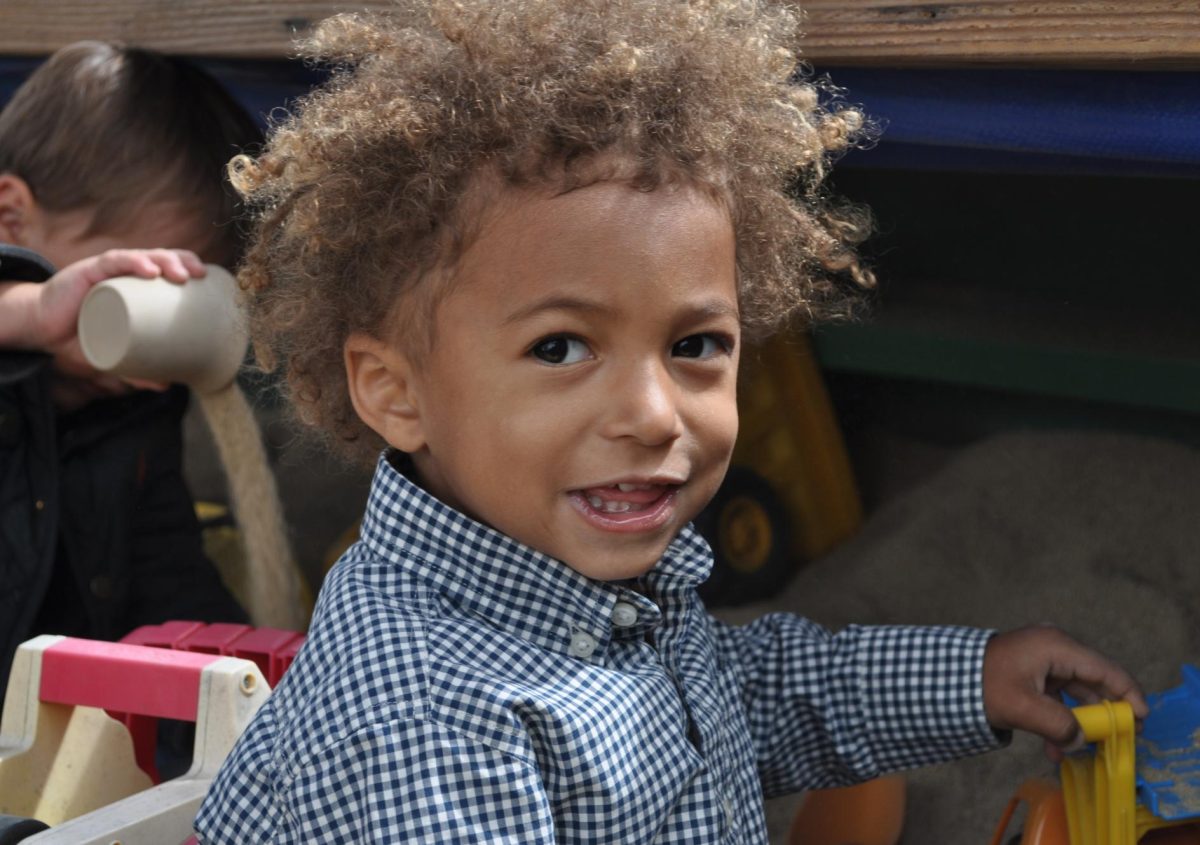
{"x":98,"y":532}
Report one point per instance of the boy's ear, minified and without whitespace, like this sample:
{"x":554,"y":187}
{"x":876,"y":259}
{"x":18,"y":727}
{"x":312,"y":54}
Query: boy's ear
{"x":383,"y":392}
{"x":17,"y":209}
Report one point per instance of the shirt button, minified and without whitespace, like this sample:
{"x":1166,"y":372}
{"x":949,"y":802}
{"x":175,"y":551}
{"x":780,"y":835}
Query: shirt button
{"x":582,"y":645}
{"x":727,"y":808}
{"x":624,"y":615}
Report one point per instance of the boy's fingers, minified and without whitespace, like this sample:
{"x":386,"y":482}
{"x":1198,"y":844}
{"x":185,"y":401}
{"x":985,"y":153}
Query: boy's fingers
{"x":1085,"y":694}
{"x":1081,"y":693}
{"x":193,"y":263}
{"x":1104,"y":679}
{"x":123,"y":262}
{"x":1073,"y":666}
{"x":1056,"y":753}
{"x":170,"y":265}
{"x":1050,"y":719}
{"x":1126,"y":689}
{"x":176,"y":265}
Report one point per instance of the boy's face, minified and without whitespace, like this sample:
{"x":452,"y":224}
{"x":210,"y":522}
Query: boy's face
{"x":579,"y":395}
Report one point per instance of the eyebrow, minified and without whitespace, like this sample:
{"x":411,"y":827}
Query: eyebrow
{"x":714,"y":307}
{"x":708,"y":308}
{"x":556,"y":302}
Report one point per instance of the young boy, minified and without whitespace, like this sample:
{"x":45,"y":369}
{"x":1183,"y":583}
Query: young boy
{"x":102,"y":147}
{"x":521,"y":245}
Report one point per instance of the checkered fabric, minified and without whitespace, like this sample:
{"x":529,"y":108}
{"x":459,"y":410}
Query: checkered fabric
{"x":460,"y":687}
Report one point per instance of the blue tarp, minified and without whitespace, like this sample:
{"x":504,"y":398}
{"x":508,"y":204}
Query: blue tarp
{"x":1014,"y":120}
{"x":1065,"y":121}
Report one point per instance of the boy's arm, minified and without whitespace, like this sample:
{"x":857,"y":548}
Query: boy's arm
{"x":830,"y":709}
{"x":18,"y":315}
{"x":404,"y":780}
{"x":827,"y":709}
{"x":41,"y":316}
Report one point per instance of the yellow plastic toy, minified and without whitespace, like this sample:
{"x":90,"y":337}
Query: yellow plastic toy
{"x":1129,"y":787}
{"x":790,"y":494}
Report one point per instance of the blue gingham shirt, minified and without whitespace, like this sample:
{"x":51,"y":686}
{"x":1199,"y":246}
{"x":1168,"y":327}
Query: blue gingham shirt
{"x":458,"y":686}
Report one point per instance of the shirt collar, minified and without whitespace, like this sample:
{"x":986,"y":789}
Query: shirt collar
{"x":512,"y":586}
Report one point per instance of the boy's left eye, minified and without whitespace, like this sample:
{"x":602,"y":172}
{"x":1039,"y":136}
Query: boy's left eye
{"x":561,"y":349}
{"x":701,"y":346}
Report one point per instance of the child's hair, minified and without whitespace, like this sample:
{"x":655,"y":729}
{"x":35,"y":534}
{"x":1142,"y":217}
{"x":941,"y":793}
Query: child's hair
{"x":360,"y":193}
{"x":109,"y":128}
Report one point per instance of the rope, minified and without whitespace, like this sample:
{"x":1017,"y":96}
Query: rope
{"x":269,"y":583}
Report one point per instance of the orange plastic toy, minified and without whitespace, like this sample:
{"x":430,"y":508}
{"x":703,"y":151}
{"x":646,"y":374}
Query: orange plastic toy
{"x":870,"y":813}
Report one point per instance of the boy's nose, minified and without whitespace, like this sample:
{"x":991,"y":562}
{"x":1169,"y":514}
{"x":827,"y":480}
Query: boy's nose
{"x":644,"y":405}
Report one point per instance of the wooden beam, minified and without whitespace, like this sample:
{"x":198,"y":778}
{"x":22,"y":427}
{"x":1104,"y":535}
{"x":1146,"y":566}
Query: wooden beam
{"x":1146,"y":33}
{"x":1016,"y":32}
{"x":219,"y":28}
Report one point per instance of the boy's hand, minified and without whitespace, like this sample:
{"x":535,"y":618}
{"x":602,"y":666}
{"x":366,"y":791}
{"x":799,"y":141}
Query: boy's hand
{"x":61,"y":296}
{"x":1023,"y":672}
{"x":56,"y":314}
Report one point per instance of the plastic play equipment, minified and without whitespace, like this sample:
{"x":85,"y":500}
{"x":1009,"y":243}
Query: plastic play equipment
{"x":271,"y":649}
{"x":1128,"y":787}
{"x":790,"y":494}
{"x":870,"y":813}
{"x":195,"y":334}
{"x":66,"y":764}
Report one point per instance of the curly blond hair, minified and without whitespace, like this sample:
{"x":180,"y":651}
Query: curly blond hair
{"x":359,"y":193}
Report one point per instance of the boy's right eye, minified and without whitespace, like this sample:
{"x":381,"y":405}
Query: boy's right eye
{"x":561,"y":349}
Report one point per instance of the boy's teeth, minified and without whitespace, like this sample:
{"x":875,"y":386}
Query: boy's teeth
{"x":625,"y":488}
{"x":608,"y":506}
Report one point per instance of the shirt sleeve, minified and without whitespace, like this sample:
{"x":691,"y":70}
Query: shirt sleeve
{"x":830,"y":709}
{"x":410,"y":781}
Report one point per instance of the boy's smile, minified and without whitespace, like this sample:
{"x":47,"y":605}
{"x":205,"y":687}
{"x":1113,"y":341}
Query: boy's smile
{"x":579,"y":393}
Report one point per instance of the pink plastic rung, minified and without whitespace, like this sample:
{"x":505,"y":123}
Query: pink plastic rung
{"x":128,"y":678}
{"x":284,"y":657}
{"x":262,"y":645}
{"x":271,"y":648}
{"x":166,"y":635}
{"x":217,"y":638}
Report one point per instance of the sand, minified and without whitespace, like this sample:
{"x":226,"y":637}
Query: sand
{"x":1098,"y":533}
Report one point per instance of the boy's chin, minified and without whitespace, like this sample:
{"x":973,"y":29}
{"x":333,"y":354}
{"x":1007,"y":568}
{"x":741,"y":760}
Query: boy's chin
{"x":616,"y":566}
